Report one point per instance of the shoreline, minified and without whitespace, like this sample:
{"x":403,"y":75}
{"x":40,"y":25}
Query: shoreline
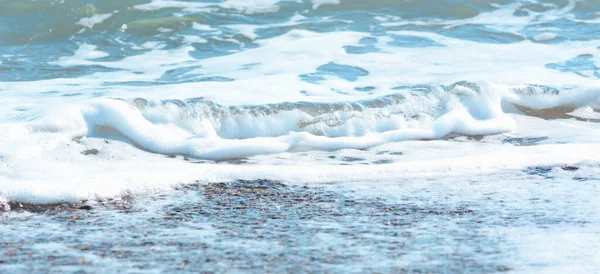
{"x":451,"y":226}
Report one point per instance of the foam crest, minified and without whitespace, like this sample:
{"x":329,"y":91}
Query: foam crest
{"x":203,"y":129}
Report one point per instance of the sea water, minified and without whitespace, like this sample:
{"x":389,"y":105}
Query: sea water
{"x":488,"y":110}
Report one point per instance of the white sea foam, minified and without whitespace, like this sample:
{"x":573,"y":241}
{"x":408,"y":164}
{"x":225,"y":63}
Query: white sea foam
{"x":545,"y":36}
{"x":89,"y":22}
{"x":516,"y":63}
{"x":44,"y":156}
{"x":318,"y":3}
{"x":285,"y":88}
{"x":245,"y":6}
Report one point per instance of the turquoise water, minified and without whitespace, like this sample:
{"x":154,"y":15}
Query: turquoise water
{"x":36,"y":34}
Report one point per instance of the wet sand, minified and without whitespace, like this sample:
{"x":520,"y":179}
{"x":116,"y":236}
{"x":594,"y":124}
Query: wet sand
{"x":267,"y":226}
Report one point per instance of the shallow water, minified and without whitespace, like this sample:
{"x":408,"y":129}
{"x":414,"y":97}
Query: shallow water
{"x":458,"y":226}
{"x":199,"y":108}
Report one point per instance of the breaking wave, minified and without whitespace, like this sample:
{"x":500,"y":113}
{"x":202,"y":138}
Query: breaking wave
{"x":204,"y":129}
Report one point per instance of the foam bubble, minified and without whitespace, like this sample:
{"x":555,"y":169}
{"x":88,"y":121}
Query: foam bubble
{"x":89,"y":22}
{"x":317,"y":3}
{"x":545,"y":36}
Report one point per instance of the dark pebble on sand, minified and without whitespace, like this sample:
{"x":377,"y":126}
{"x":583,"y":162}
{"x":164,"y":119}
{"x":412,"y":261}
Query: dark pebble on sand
{"x":570,"y":168}
{"x":352,"y":159}
{"x":86,"y":207}
{"x":384,"y":161}
{"x":92,"y":151}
